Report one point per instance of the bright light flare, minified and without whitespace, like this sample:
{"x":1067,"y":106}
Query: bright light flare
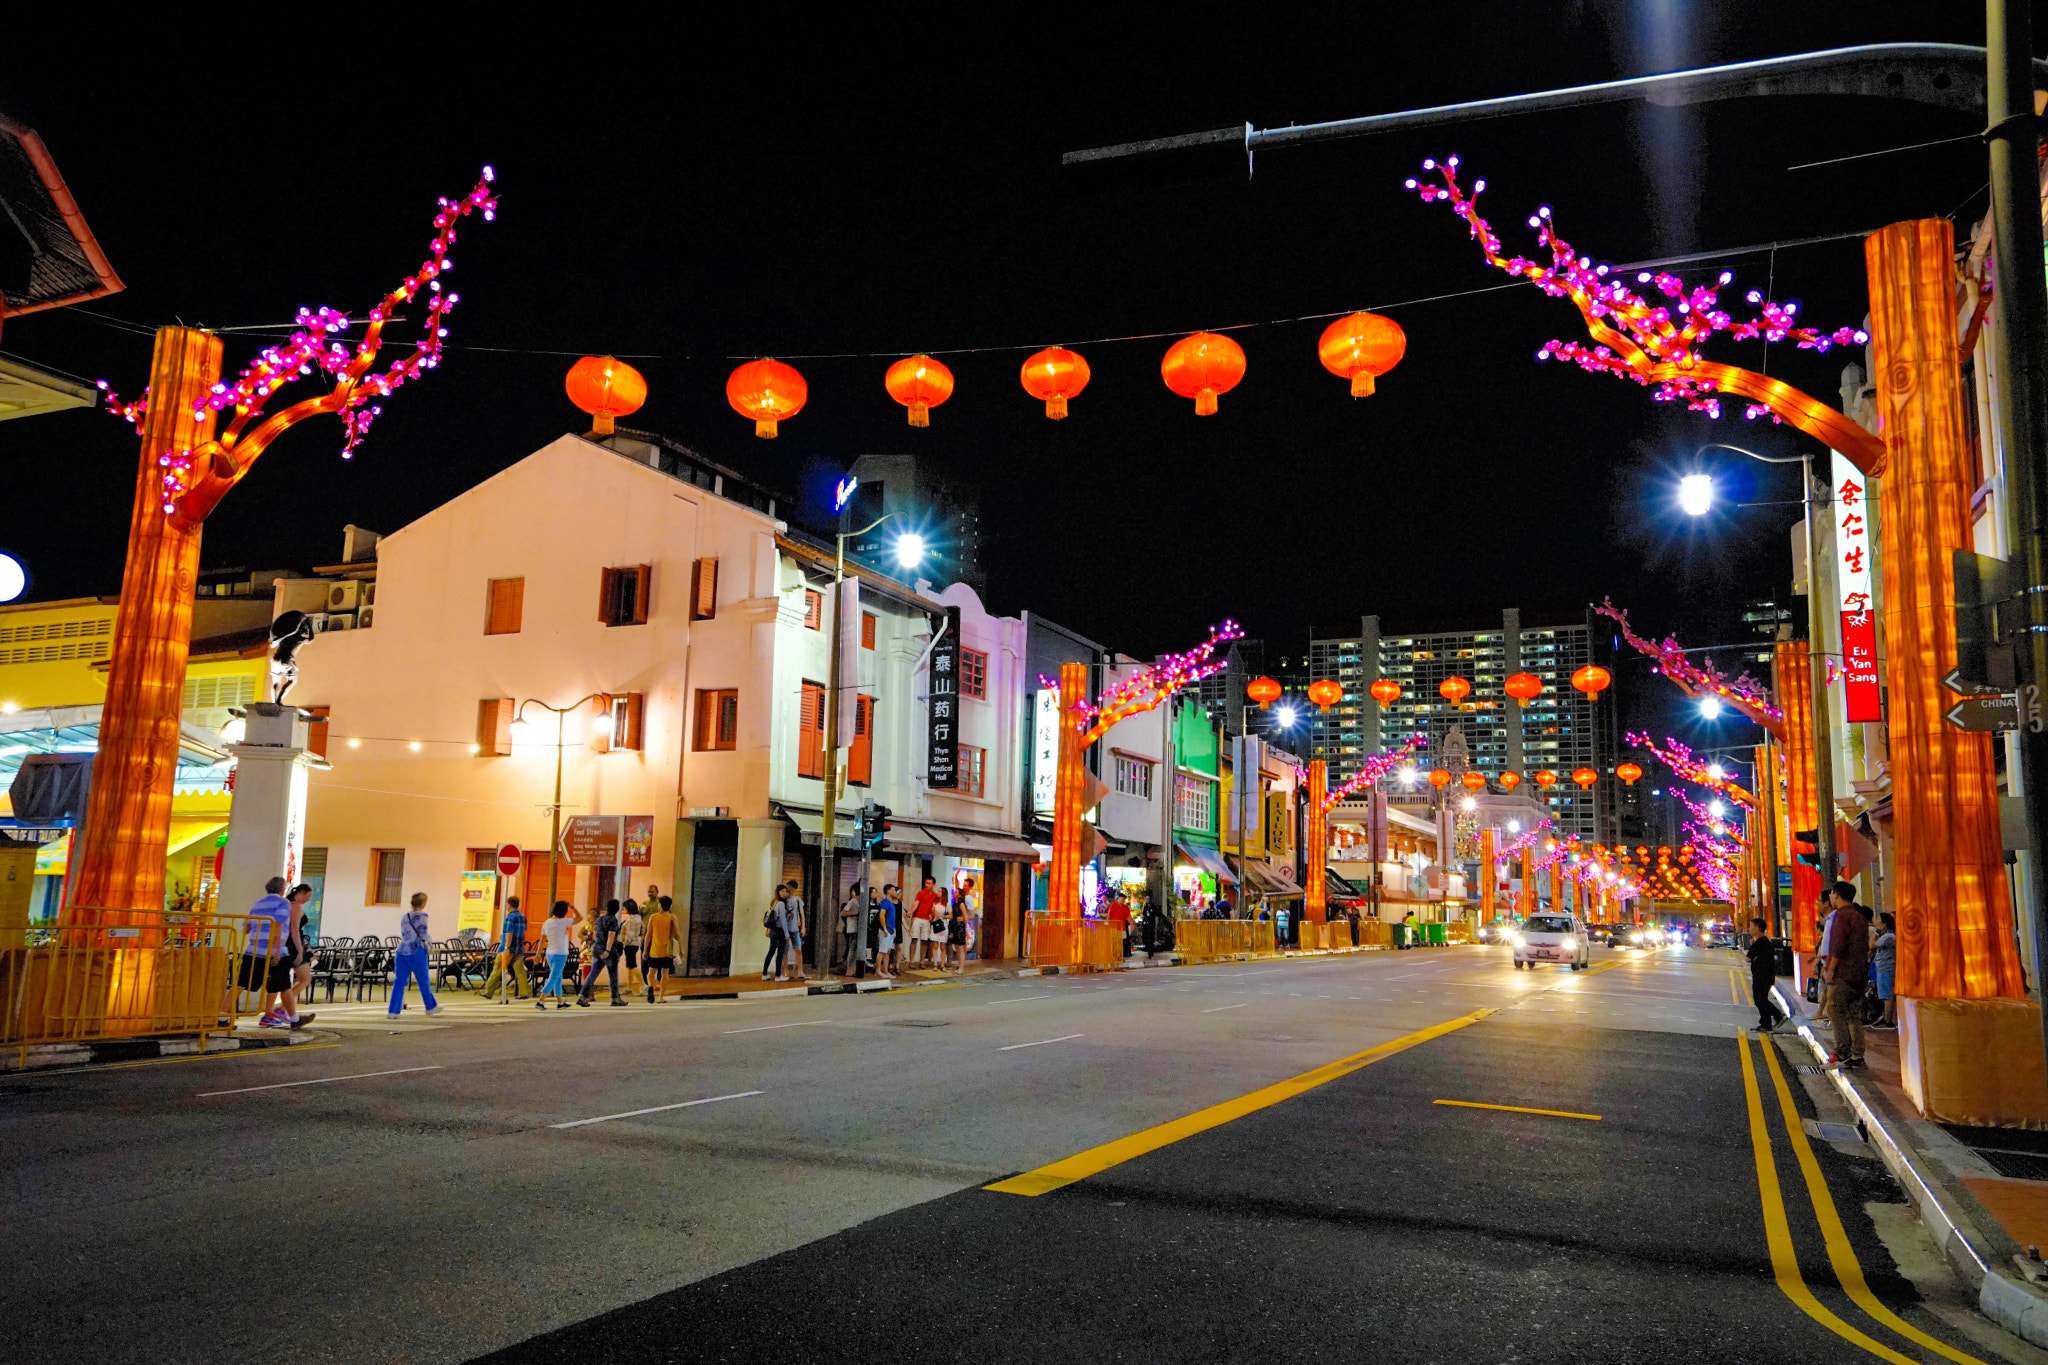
{"x":909,"y":549}
{"x":1287,"y":716}
{"x":1696,"y":495}
{"x":1711,"y":708}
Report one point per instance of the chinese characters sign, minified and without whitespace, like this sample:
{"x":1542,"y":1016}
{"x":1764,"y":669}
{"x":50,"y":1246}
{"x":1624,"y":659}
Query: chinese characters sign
{"x":609,"y":840}
{"x":942,"y":701}
{"x":1860,"y":690}
{"x":1045,"y":750}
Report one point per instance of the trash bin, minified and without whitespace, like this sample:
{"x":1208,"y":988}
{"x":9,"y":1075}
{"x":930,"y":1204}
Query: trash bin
{"x":1784,"y":957}
{"x":1399,"y":931}
{"x":1437,"y":938}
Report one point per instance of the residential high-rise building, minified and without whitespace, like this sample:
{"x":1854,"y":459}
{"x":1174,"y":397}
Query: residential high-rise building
{"x":1560,"y":730}
{"x":922,"y":497}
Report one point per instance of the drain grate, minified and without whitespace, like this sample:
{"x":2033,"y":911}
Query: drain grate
{"x":2015,"y":1165}
{"x":917,"y":1023}
{"x":1811,"y":1069}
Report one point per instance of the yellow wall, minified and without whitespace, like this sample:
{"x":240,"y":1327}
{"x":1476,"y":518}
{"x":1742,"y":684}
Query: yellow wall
{"x":47,"y":651}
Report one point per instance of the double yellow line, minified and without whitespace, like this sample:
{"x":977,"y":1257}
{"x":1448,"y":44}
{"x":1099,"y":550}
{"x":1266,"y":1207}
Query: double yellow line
{"x":1778,"y":1229}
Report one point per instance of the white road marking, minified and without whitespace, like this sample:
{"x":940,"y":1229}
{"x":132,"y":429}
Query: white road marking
{"x":1041,"y":1042}
{"x":657,"y":1109}
{"x":1013,"y":1000}
{"x":1228,"y":1007}
{"x":325,"y":1080}
{"x":763,"y":1028}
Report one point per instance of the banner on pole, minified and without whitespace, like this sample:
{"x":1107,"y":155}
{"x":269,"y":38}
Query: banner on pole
{"x":1862,"y":695}
{"x":479,"y":899}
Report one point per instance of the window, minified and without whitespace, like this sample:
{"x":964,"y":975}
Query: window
{"x":704,"y":590}
{"x":810,"y":732}
{"x":387,"y":873}
{"x":508,"y":598}
{"x":860,"y":754}
{"x":627,"y":711}
{"x":316,"y":731}
{"x":814,"y":609}
{"x":867,"y":630}
{"x":622,"y":595}
{"x":718,"y":718}
{"x":1194,"y":806}
{"x":973,"y":770}
{"x":1133,"y":777}
{"x":494,"y":727}
{"x":973,"y":674}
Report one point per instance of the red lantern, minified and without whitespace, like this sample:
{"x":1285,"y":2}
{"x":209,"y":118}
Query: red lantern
{"x":1264,"y":691}
{"x":1585,"y":777}
{"x":1325,"y":694}
{"x":1360,"y":348}
{"x":605,"y":387}
{"x":1629,"y":772}
{"x":1455,"y":690}
{"x":1386,"y":691}
{"x":1201,"y":366}
{"x":1523,"y":687}
{"x":919,"y":383}
{"x":1053,"y":376}
{"x":1474,"y":781}
{"x":1439,"y":779}
{"x":1546,"y":779}
{"x":1510,"y":781}
{"x":1592,"y":680}
{"x":767,"y":391}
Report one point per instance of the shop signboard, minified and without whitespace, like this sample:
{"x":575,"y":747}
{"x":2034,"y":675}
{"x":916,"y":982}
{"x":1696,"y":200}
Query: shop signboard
{"x":942,"y":705}
{"x":1045,"y":750}
{"x":479,"y":898}
{"x":609,"y":840}
{"x":1862,"y":697}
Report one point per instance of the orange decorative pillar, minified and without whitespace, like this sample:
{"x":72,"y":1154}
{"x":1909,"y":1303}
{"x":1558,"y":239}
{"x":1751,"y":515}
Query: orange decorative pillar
{"x":117,"y":862}
{"x":1063,"y":889}
{"x":1955,"y":923}
{"x":1316,"y":898}
{"x":1528,"y":887}
{"x":1792,"y":679}
{"x":1486,"y":876}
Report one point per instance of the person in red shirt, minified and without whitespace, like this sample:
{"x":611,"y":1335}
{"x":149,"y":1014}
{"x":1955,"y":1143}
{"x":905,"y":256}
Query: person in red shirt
{"x":1120,"y":916}
{"x":921,"y":945}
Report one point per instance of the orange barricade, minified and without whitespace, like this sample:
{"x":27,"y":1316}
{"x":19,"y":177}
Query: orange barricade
{"x":158,"y":973}
{"x":1078,"y":943}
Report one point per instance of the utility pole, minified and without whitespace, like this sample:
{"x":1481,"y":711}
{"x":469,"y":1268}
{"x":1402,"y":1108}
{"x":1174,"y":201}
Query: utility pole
{"x":2021,"y":308}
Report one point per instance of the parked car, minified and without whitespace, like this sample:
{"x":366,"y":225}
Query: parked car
{"x":1558,"y":939}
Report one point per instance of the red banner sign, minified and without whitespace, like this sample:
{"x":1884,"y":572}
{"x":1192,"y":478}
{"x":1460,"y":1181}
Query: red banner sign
{"x":1862,"y":697}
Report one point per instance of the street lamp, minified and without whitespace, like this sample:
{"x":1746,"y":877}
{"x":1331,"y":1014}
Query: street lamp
{"x":523,"y":729}
{"x":1711,"y":708}
{"x":1695,"y":494}
{"x":1816,"y":658}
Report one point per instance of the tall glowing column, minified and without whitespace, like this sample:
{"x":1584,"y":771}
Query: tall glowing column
{"x":1792,"y":678}
{"x":1486,"y":876}
{"x":1063,"y":890}
{"x":1317,"y":892}
{"x":118,"y":861}
{"x":1955,"y":921}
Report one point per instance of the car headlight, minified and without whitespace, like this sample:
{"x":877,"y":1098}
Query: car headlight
{"x":1518,"y":940}
{"x":1570,"y":945}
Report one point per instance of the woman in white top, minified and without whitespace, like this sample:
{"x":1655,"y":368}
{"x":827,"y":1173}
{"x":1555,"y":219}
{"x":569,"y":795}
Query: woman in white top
{"x":555,"y":929}
{"x":632,"y":929}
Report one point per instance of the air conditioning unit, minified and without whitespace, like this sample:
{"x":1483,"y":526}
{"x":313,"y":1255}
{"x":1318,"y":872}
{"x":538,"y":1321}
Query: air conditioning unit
{"x":342,"y":596}
{"x":341,"y":621}
{"x":369,"y":593}
{"x":366,"y":618}
{"x":319,"y":620}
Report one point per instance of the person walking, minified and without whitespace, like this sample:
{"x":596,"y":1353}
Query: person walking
{"x":921,"y":913}
{"x":604,"y":955}
{"x":851,"y":915}
{"x":941,"y":920}
{"x":662,"y":933}
{"x":793,"y":933}
{"x":1884,"y":956}
{"x":956,"y":935}
{"x":302,"y":969}
{"x":554,"y":930}
{"x":632,"y":931}
{"x":415,"y":938}
{"x":1846,"y":970}
{"x":1763,"y":974}
{"x":510,"y":965}
{"x":263,"y":970}
{"x":774,"y":965}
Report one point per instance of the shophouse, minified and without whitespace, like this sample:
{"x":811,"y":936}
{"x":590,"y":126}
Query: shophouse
{"x":1132,"y":817}
{"x":1200,"y":876}
{"x":1259,"y":837}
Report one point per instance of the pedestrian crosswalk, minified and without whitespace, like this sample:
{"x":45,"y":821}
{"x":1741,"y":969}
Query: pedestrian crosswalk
{"x":455,"y":1009}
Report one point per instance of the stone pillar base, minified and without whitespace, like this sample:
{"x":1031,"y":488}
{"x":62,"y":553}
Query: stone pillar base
{"x":1976,"y":1062}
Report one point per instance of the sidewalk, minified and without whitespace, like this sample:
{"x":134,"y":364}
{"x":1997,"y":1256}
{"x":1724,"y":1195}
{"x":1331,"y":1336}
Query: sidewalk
{"x":1983,"y":1221}
{"x":246,"y":1037}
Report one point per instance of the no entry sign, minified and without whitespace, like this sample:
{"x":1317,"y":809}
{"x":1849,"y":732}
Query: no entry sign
{"x":510,"y":860}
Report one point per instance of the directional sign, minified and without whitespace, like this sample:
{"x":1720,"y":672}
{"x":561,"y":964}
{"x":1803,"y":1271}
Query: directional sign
{"x":510,"y":860}
{"x":1985,"y":713}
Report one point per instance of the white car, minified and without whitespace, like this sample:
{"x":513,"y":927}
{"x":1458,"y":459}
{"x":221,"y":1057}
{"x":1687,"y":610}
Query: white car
{"x":1552,"y":938}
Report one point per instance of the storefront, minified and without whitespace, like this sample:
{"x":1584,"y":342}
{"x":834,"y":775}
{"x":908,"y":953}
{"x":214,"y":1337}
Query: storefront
{"x":1200,"y":878}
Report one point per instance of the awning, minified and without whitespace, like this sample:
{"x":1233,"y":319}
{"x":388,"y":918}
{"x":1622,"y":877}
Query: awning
{"x":810,"y":825}
{"x":980,"y":843}
{"x":52,"y":858}
{"x":185,"y":833}
{"x":1205,"y":858}
{"x":1265,"y":879}
{"x":1343,"y":887}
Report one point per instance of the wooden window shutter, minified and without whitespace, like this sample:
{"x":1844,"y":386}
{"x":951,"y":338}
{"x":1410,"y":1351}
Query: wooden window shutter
{"x":810,"y":754}
{"x":814,"y":609}
{"x":707,"y":719}
{"x":704,"y":590}
{"x":607,"y":594}
{"x":867,"y":630}
{"x":494,"y":727}
{"x":507,"y":598}
{"x":728,"y":719}
{"x":860,"y":755}
{"x":630,"y":722}
{"x":643,"y":594}
{"x":316,"y":732}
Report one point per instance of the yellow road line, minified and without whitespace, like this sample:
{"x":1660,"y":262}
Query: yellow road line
{"x":1518,"y":1109}
{"x":1098,"y":1159}
{"x":1778,"y":1230}
{"x":1735,"y":989}
{"x":1840,"y":1254}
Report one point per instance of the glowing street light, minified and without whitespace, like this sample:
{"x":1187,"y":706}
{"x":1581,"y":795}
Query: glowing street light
{"x":910,"y":549}
{"x":1696,"y":494}
{"x":1711,"y":708}
{"x":1408,"y":775}
{"x":1287,"y":716}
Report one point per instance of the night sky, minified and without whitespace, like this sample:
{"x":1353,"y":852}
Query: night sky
{"x":688,"y":194}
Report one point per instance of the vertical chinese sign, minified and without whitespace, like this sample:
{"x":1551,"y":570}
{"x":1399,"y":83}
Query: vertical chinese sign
{"x":1860,"y":690}
{"x":942,"y":700}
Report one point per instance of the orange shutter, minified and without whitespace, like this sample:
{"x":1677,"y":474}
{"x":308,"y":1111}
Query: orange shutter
{"x":507,"y":600}
{"x":860,"y":753}
{"x":316,"y":732}
{"x":704,"y":590}
{"x":728,"y":719}
{"x":631,"y":722}
{"x":643,"y":592}
{"x":810,"y":743}
{"x":494,"y":727}
{"x":867,"y":630}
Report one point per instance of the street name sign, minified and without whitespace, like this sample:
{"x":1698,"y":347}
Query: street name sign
{"x":1985,"y":713}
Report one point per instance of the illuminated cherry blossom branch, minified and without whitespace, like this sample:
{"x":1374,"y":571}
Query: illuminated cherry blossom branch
{"x":1526,"y":839}
{"x":195,"y":480}
{"x":1656,"y":344}
{"x":1744,"y":693}
{"x":1146,"y":690}
{"x":1679,"y":758}
{"x":1375,"y":768}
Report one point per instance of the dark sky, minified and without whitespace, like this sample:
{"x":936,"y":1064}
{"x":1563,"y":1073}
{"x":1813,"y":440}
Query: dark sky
{"x":885,"y":181}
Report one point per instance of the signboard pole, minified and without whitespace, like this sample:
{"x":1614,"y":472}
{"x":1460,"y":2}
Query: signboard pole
{"x":1817,"y":660}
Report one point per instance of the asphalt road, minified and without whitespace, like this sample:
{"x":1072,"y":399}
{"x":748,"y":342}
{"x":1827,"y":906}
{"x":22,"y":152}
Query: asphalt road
{"x":807,"y":1179}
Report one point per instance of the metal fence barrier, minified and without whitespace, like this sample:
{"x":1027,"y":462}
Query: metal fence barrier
{"x":1095,"y":944}
{"x":1199,"y":939}
{"x":130,"y":975}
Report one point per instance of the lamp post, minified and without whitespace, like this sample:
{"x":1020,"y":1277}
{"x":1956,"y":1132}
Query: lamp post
{"x":555,"y":808}
{"x":1816,"y":659}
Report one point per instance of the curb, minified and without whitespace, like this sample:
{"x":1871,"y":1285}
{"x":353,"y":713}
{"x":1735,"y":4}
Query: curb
{"x":2017,"y":1306}
{"x":47,"y":1056}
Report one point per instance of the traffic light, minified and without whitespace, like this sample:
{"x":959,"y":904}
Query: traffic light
{"x":1806,"y":847}
{"x":874,"y":825}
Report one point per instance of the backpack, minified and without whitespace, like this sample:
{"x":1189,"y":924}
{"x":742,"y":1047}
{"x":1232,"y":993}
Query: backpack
{"x":771,"y":917}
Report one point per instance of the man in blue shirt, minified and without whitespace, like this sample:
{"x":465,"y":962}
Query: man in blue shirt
{"x":265,"y":967}
{"x":604,"y":953}
{"x":512,"y":964}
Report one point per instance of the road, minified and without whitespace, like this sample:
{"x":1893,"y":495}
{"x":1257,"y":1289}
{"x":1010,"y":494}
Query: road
{"x":1419,"y":1156}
